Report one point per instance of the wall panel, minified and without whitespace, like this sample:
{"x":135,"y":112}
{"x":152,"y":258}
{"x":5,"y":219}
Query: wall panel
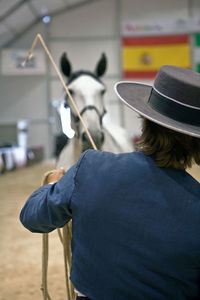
{"x":93,"y":19}
{"x":84,"y":54}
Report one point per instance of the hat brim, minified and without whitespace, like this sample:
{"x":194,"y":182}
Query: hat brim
{"x":135,"y":96}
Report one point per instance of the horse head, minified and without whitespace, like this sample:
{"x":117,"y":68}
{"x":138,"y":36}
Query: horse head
{"x":88,"y":91}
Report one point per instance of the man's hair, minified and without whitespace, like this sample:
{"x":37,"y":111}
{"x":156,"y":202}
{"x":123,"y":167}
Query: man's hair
{"x":170,"y":148}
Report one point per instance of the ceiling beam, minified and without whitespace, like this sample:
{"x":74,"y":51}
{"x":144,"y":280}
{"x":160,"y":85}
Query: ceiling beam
{"x":20,"y":34}
{"x":33,"y":9}
{"x":67,"y":8}
{"x":72,"y":7}
{"x":12,"y":9}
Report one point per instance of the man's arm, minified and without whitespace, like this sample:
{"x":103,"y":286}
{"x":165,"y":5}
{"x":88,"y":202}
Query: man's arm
{"x":49,"y":207}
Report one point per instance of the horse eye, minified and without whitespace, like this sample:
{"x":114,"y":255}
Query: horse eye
{"x":103,"y":92}
{"x":71,"y":92}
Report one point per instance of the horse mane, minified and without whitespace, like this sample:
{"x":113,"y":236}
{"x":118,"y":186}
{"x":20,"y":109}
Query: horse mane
{"x":79,"y":73}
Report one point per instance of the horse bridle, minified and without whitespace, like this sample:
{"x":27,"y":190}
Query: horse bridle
{"x":88,"y":107}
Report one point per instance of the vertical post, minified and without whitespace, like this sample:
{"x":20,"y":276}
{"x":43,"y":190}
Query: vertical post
{"x":44,"y":265}
{"x":67,"y":271}
{"x":49,"y":147}
{"x":118,"y":34}
{"x":191,"y":35}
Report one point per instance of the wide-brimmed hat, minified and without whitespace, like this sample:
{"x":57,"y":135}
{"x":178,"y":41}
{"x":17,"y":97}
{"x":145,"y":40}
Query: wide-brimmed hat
{"x":173,"y":101}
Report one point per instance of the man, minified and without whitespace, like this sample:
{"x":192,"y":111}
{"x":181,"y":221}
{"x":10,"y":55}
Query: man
{"x":136,"y":216}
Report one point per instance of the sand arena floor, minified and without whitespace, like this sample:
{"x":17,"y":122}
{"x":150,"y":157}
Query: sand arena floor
{"x":20,"y":250}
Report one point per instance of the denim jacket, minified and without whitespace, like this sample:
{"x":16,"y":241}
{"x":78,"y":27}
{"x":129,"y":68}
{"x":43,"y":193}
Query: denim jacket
{"x":136,"y":227}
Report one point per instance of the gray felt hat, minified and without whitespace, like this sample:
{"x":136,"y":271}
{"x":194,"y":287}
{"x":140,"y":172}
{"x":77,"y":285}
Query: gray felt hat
{"x":173,"y":101}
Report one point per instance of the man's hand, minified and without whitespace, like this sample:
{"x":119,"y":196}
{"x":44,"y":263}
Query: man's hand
{"x":53,"y":176}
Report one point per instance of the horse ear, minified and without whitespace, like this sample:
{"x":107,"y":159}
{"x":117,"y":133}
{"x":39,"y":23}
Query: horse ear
{"x":101,"y":66}
{"x":65,"y":65}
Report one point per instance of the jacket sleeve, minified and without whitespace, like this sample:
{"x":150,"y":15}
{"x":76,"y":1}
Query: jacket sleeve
{"x":49,"y":207}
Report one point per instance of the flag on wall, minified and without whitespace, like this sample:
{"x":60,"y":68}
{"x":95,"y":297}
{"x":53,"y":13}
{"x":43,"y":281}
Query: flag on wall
{"x":143,"y":56}
{"x":196,"y":52}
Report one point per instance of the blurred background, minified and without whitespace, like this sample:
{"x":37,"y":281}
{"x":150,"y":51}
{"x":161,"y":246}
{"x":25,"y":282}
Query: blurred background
{"x":137,"y":37}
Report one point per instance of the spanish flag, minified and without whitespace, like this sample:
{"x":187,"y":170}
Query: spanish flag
{"x":143,"y":56}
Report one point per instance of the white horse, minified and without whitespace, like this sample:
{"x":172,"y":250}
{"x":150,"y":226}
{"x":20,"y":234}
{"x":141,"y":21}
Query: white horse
{"x":88,"y":91}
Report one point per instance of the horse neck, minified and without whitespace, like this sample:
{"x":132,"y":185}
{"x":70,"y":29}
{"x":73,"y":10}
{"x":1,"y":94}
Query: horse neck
{"x":116,"y":139}
{"x":76,"y":142}
{"x":77,"y":148}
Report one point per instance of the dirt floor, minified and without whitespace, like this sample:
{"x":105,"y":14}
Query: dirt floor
{"x":20,"y":250}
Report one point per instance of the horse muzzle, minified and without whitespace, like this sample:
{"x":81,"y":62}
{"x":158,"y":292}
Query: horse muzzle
{"x":98,"y":137}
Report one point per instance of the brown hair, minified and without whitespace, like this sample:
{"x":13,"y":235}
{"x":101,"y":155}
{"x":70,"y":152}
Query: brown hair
{"x":171,"y":148}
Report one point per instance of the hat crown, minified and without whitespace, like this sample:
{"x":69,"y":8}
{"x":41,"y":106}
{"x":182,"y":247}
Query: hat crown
{"x":179,"y":84}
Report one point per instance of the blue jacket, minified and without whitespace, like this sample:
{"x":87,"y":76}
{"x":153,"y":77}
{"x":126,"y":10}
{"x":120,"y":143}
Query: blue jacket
{"x":136,"y":227}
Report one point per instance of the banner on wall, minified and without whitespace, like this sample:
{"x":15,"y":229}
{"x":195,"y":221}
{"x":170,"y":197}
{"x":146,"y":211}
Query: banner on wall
{"x":145,"y":28}
{"x":143,"y":56}
{"x":12,"y":62}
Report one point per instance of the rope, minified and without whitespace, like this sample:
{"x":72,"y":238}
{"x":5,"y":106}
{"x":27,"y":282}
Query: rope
{"x":67,"y":260}
{"x":45,"y":253}
{"x":60,"y":235}
{"x":65,"y":237}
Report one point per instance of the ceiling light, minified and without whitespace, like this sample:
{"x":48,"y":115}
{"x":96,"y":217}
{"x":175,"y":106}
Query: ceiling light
{"x":46,"y":19}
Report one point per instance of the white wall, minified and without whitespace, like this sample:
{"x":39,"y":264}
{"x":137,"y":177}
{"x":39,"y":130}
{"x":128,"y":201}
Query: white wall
{"x":84,"y":33}
{"x":25,"y":97}
{"x":154,"y":9}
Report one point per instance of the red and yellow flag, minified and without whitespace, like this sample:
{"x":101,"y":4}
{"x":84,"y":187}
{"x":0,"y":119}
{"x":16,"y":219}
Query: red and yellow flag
{"x":143,"y":56}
